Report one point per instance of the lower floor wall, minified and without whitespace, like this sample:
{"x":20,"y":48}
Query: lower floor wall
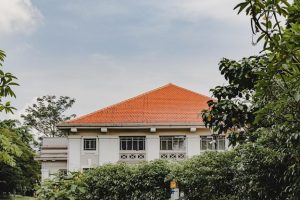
{"x":50,"y":168}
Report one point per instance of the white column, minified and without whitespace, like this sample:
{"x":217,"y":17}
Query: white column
{"x":193,"y":145}
{"x":74,"y":150}
{"x":108,"y":149}
{"x":152,"y":147}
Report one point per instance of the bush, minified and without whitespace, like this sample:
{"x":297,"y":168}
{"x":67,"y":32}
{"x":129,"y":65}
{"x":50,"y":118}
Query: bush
{"x":248,"y":172}
{"x":150,"y":181}
{"x":208,"y":176}
{"x":259,"y":173}
{"x":71,"y":187}
{"x":111,"y":181}
{"x":121,"y":181}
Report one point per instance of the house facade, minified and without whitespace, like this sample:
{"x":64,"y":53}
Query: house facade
{"x":164,"y":123}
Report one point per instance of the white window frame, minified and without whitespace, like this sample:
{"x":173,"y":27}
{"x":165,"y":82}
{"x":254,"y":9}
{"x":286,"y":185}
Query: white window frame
{"x":132,"y":139}
{"x":89,"y":150}
{"x":173,"y":139}
{"x":221,"y":138}
{"x":217,"y":141}
{"x":208,"y":139}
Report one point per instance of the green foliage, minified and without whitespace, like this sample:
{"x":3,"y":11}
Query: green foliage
{"x":7,"y":80}
{"x":8,"y":149}
{"x":119,"y":181}
{"x":258,"y":173}
{"x":21,"y":176}
{"x":109,"y":182}
{"x":270,"y":115}
{"x":251,"y":171}
{"x":69,"y":187}
{"x":208,"y":176}
{"x":145,"y":181}
{"x":47,"y":113}
{"x":151,"y":181}
{"x":233,"y":112}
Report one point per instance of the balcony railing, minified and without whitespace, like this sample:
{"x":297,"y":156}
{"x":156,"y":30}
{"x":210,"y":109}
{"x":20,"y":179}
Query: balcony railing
{"x":132,"y":156}
{"x":172,"y":155}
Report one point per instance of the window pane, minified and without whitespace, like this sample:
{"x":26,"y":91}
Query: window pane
{"x":203,"y":145}
{"x":206,"y":143}
{"x":141,"y":145}
{"x":135,"y":144}
{"x":132,"y":143}
{"x":129,"y":145}
{"x":221,"y":144}
{"x":89,"y":144}
{"x":123,"y":145}
{"x":210,"y":145}
{"x":172,"y":143}
{"x":163,"y":145}
{"x":169,"y":145}
{"x":182,"y":144}
{"x":93,"y":144}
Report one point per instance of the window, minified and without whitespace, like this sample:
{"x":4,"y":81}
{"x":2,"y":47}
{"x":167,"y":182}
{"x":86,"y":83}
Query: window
{"x":85,"y":169}
{"x":134,"y":143}
{"x":89,"y":144}
{"x":207,"y":143}
{"x":221,"y":143}
{"x":173,"y":143}
{"x":62,"y":172}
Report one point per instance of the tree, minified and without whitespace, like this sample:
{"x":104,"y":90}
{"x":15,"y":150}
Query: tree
{"x":261,"y":103}
{"x":18,"y":170}
{"x":25,"y":172}
{"x":8,"y":151}
{"x":44,"y":115}
{"x":6,"y":81}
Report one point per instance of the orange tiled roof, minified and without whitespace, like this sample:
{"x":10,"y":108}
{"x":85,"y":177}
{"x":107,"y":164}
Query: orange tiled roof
{"x":169,"y":104}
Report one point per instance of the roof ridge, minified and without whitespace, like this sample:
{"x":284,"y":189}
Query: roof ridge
{"x":190,"y":91}
{"x":121,"y":102}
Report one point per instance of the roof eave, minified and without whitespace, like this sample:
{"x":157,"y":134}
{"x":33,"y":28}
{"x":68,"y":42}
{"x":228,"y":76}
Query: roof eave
{"x":130,"y":125}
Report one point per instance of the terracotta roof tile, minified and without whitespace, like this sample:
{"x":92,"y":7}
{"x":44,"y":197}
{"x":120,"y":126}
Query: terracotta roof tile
{"x":169,"y":104}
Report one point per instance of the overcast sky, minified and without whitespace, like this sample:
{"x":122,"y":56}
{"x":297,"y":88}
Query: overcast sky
{"x":104,"y":51}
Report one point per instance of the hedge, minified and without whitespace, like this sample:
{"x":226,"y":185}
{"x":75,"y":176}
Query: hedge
{"x":209,"y":176}
{"x":248,"y":172}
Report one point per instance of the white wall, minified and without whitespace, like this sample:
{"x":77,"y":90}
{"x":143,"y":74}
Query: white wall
{"x":49,"y":168}
{"x":45,"y":174}
{"x":74,"y":150}
{"x":108,"y":149}
{"x":193,"y":145}
{"x":152,"y":147}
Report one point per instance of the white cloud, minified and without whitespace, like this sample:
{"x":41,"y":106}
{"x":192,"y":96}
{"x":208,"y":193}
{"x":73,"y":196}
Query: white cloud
{"x":18,"y":16}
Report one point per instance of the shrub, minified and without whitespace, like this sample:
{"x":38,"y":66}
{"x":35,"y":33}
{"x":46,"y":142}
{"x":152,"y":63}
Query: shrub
{"x":248,"y":172}
{"x":259,"y":173}
{"x":208,"y":176}
{"x":150,"y":181}
{"x":61,"y":187}
{"x":109,"y":182}
{"x":121,"y":181}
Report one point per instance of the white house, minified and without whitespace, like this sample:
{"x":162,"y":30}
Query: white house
{"x":164,"y":123}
